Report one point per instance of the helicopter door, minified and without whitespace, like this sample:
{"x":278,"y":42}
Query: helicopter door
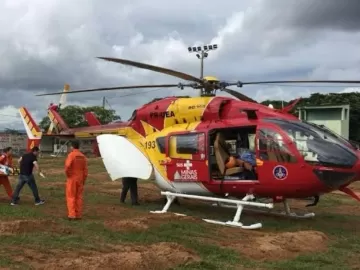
{"x":278,"y":158}
{"x":186,"y":154}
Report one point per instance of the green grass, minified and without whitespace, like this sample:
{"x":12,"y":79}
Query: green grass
{"x":91,"y":234}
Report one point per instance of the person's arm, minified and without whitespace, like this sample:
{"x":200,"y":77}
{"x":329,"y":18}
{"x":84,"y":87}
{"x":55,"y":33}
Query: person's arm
{"x":68,"y":163}
{"x":10,"y":161}
{"x":2,"y":157}
{"x":19,"y":160}
{"x":36,"y":165}
{"x":85,"y":170}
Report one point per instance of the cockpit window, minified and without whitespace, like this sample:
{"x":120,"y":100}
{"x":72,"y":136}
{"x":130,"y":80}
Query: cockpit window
{"x":333,"y":135}
{"x":133,"y":116}
{"x":317,"y":146}
{"x":271,"y":147}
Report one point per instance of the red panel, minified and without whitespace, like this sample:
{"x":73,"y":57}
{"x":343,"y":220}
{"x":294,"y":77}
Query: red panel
{"x":32,"y":143}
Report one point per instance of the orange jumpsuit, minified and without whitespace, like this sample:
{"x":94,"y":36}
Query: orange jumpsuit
{"x":4,"y":179}
{"x":76,"y":171}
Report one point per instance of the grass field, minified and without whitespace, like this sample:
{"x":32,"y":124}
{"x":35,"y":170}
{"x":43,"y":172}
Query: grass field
{"x":115,"y":236}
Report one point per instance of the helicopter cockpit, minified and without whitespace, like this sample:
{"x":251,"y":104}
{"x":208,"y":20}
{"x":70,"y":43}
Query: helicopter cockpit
{"x":317,"y":145}
{"x":268,"y":143}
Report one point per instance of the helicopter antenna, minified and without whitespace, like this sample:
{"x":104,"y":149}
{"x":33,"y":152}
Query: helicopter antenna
{"x":202,"y":53}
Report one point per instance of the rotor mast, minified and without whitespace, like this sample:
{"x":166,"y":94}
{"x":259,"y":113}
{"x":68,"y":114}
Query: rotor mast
{"x":202,"y":53}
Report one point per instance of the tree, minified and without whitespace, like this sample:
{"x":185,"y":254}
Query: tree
{"x":11,"y":131}
{"x":317,"y":99}
{"x":74,"y":116}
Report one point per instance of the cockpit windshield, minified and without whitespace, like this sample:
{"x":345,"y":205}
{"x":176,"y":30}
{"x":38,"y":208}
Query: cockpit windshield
{"x":334,"y":135}
{"x":317,"y":145}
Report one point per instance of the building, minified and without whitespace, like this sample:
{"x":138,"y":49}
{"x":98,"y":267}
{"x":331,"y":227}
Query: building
{"x":336,"y":118}
{"x":17,"y":141}
{"x":55,"y":146}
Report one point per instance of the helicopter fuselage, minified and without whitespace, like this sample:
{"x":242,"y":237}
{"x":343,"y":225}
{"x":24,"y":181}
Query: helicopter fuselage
{"x":297,"y":160}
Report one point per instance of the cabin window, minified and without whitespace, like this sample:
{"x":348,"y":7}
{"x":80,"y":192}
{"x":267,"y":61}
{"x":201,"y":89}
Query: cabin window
{"x":272,"y":147}
{"x":186,"y":144}
{"x":161,"y":144}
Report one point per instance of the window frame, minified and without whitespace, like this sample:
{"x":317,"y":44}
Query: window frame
{"x":158,"y":144}
{"x":289,"y":144}
{"x":195,"y":156}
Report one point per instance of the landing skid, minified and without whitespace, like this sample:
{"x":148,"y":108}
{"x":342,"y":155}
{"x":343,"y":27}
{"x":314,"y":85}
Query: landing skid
{"x":286,"y":213}
{"x":238,"y":204}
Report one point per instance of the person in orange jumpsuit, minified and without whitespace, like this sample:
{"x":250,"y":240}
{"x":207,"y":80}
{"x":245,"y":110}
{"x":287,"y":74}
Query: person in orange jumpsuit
{"x":76,"y":170}
{"x":6,"y":159}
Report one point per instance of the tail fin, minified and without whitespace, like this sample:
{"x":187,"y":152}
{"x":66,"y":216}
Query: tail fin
{"x":63,"y":96}
{"x":57,"y":120}
{"x":91,"y":119}
{"x":33,"y":131}
{"x":289,"y":107}
{"x":61,"y":103}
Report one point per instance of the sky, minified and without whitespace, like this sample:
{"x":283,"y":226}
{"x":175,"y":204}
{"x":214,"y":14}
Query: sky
{"x":47,"y":43}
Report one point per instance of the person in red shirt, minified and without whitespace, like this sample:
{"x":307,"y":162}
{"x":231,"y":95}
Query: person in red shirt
{"x":6,"y":159}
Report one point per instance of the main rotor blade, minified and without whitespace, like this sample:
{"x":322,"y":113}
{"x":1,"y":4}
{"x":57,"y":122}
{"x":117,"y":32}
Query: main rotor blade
{"x":170,"y":72}
{"x":239,"y":95}
{"x":301,"y":81}
{"x":111,"y":88}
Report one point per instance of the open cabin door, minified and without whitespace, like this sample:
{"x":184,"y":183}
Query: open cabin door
{"x":277,"y":154}
{"x":187,"y":157}
{"x":122,"y":158}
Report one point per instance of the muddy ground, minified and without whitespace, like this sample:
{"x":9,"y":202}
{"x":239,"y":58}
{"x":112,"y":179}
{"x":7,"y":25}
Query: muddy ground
{"x":116,"y":236}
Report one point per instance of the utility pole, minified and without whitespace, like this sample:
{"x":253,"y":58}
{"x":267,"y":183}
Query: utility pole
{"x":103,"y":102}
{"x":202,"y":53}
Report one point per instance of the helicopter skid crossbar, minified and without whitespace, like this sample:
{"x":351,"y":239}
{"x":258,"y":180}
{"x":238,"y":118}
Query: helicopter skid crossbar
{"x":286,"y":213}
{"x":238,"y":204}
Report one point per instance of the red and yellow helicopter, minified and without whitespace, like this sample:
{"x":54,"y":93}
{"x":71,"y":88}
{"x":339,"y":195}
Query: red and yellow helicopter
{"x":215,"y":148}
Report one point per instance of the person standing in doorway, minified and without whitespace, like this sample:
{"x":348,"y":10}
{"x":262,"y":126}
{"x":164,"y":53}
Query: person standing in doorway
{"x":76,"y":170}
{"x":27,"y":163}
{"x":6,"y":159}
{"x":129,"y":183}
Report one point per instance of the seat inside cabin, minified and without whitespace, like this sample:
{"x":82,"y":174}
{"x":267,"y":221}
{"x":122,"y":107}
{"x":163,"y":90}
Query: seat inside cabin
{"x":221,"y":155}
{"x":227,"y":143}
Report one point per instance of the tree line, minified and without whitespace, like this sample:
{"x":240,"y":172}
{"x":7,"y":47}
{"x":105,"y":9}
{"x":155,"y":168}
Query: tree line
{"x":74,"y":116}
{"x":317,"y":99}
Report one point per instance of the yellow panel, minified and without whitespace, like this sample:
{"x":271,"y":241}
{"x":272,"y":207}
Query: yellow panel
{"x":190,"y":110}
{"x":155,"y":156}
{"x":149,"y":129}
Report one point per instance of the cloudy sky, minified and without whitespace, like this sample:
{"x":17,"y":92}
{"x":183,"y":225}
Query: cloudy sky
{"x":47,"y":43}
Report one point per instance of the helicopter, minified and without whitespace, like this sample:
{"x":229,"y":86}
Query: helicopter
{"x":231,"y":151}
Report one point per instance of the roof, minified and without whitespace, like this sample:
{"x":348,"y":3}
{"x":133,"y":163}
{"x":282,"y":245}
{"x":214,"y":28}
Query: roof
{"x":319,"y":107}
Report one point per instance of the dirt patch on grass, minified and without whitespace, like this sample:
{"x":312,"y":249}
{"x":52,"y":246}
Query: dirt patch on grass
{"x":143,"y":223}
{"x":345,"y":210}
{"x":57,"y":171}
{"x":156,"y":256}
{"x":24,"y":226}
{"x":269,"y":246}
{"x":287,"y":245}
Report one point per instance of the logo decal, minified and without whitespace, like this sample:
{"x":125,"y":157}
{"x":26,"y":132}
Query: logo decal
{"x":188,"y":164}
{"x":187,"y":174}
{"x":280,"y":172}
